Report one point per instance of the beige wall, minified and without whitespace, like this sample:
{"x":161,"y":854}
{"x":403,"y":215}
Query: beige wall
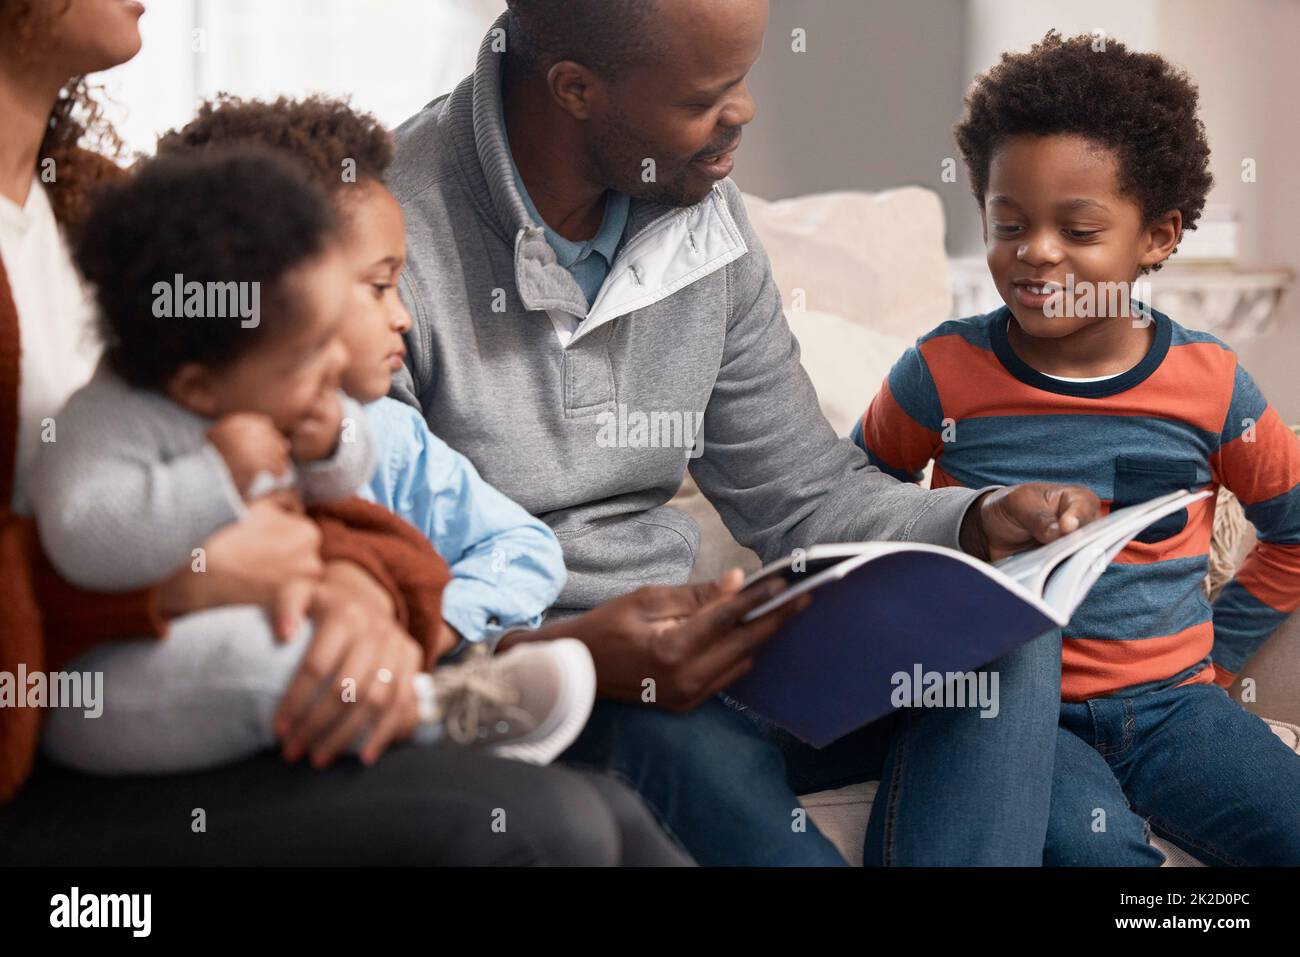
{"x":1244,"y":56}
{"x":870,"y":105}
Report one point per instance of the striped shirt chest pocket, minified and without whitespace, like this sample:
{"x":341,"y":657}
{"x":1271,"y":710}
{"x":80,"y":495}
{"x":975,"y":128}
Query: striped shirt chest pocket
{"x":1139,"y":478}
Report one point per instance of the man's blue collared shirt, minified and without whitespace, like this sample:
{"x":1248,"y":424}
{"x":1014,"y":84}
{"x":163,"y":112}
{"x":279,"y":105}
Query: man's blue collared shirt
{"x":589,"y":261}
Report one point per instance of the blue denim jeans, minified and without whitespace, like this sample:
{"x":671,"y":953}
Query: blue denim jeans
{"x":956,"y":788}
{"x":1188,"y":763}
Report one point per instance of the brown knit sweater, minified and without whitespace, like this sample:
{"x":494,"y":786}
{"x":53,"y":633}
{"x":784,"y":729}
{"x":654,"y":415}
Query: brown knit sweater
{"x":46,"y":622}
{"x":396,"y":555}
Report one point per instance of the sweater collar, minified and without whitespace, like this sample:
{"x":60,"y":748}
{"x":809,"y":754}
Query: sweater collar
{"x":1027,"y":374}
{"x":477,"y":129}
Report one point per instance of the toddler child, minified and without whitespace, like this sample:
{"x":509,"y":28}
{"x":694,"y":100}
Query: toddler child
{"x":190,"y":416}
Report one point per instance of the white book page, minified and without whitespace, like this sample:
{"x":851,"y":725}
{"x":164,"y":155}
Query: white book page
{"x":1033,"y":568}
{"x":1069,"y":584}
{"x":813,"y":556}
{"x":1077,"y":559}
{"x":860,"y":555}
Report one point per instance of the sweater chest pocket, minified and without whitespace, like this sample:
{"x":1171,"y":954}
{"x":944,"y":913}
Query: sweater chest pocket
{"x":1140,"y":478}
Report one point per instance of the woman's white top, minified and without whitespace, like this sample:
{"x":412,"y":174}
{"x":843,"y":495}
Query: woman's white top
{"x":59,"y":349}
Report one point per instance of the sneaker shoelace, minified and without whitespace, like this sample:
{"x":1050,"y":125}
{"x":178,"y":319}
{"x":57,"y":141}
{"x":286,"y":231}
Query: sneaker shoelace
{"x":473,"y":694}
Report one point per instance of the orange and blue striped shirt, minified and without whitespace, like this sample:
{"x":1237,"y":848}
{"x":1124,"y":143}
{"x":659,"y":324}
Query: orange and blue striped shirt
{"x":1187,"y":416}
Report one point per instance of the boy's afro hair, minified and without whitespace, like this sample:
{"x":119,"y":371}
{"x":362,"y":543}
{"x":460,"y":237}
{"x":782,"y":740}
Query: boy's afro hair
{"x":322,"y":133}
{"x":1136,"y":104}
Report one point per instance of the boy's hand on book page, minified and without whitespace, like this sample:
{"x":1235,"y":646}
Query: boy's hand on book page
{"x":674,"y":647}
{"x":1009,"y":520}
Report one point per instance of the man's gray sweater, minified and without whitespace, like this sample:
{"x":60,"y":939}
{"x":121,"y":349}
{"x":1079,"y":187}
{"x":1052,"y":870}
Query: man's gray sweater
{"x":584,"y":428}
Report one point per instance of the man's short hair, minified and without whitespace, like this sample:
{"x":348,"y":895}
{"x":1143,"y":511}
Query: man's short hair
{"x":606,"y":36}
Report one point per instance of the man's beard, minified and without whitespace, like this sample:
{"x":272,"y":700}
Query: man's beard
{"x":620,"y":158}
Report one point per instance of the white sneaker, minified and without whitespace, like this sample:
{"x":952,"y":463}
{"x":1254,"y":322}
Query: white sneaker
{"x":527,"y":704}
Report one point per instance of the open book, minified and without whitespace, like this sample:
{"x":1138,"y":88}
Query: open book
{"x":901,"y":624}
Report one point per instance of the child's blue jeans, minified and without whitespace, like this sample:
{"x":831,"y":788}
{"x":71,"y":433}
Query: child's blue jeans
{"x":1189,"y":763}
{"x":956,"y":788}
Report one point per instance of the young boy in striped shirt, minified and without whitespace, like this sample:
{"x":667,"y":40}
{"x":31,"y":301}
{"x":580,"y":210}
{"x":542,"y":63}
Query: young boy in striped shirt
{"x":1088,"y":161}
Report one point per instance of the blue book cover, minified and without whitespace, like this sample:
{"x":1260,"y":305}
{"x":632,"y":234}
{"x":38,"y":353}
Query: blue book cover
{"x":891,"y":623}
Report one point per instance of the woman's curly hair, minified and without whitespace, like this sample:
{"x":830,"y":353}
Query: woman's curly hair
{"x":1136,"y":104}
{"x":322,"y":133}
{"x":80,"y":140}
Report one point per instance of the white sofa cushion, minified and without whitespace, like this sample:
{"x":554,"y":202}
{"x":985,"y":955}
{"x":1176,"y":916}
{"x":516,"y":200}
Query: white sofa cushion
{"x":846,"y":362}
{"x":876,"y":259}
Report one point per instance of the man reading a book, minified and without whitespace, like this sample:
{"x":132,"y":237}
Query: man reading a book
{"x":576,"y":247}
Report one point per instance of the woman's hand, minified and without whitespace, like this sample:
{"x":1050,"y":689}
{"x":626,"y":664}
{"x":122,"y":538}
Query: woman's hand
{"x":357,"y":676}
{"x":247,"y":563}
